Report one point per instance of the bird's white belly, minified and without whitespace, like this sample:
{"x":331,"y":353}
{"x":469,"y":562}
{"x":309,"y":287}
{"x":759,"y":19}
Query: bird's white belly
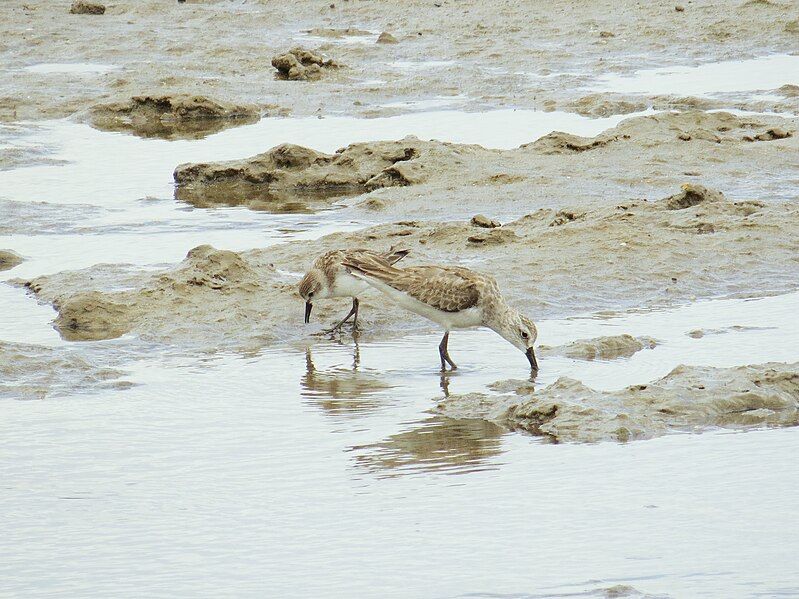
{"x":348,"y":286}
{"x":471,"y":317}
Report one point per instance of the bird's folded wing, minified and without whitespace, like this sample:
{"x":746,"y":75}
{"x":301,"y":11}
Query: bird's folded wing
{"x":446,"y":289}
{"x":442,"y":288}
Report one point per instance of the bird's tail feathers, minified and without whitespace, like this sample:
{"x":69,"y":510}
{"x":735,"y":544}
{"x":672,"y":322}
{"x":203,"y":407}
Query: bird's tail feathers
{"x":395,"y":254}
{"x":377,"y":268}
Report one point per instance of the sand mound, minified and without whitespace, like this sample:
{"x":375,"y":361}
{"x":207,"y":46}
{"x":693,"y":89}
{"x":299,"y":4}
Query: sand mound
{"x":289,"y":171}
{"x":608,"y":348}
{"x":299,"y":64}
{"x":687,"y":399}
{"x":175,"y":116}
{"x":9,"y":259}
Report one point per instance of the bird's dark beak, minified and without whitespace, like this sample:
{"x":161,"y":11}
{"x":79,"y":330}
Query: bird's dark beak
{"x":308,"y":308}
{"x":531,"y":357}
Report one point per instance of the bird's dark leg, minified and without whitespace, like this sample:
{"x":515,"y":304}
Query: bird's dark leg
{"x":444,"y":383}
{"x":353,"y":312}
{"x":442,"y":351}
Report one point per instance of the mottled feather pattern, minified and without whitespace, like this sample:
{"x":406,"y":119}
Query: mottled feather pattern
{"x":443,"y":288}
{"x":450,"y":289}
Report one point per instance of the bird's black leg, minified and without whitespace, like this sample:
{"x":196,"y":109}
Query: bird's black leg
{"x":353,"y":312}
{"x":355,"y":304}
{"x":442,"y":351}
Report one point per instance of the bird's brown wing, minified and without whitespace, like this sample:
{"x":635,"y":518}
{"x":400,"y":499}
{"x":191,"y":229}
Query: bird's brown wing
{"x":450,"y":289}
{"x":395,"y":254}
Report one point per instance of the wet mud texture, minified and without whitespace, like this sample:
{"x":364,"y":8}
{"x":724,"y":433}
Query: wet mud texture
{"x":177,"y":116}
{"x":287,"y":170}
{"x":299,"y":64}
{"x":690,"y":398}
{"x":602,"y":348}
{"x":469,"y":49}
{"x":655,"y":253}
{"x":9,"y":259}
{"x":210,"y":292}
{"x":86,"y":8}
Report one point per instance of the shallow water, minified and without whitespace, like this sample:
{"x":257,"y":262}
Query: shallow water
{"x":321,"y":471}
{"x":757,"y":74}
{"x":298,"y":475}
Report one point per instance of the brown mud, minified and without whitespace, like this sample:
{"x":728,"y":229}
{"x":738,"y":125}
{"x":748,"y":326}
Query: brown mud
{"x":688,"y":399}
{"x":9,"y":259}
{"x":178,"y":116}
{"x":657,"y":253}
{"x":289,"y":169}
{"x":299,"y":64}
{"x":512,"y":55}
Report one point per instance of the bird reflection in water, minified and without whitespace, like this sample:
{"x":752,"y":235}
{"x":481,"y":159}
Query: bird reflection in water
{"x":341,"y":390}
{"x":436,"y":444}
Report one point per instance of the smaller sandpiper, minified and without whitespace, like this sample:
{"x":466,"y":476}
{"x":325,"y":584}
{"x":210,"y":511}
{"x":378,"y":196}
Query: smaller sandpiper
{"x":451,"y":296}
{"x":328,"y":278}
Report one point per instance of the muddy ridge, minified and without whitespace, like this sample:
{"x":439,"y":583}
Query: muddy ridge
{"x":176,"y":116}
{"x":290,"y":169}
{"x":656,"y":253}
{"x":689,"y":398}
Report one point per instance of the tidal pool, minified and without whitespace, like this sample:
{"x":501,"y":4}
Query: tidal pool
{"x":755,"y":74}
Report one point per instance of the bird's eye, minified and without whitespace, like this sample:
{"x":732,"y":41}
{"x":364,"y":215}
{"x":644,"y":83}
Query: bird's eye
{"x":310,"y":295}
{"x":524,"y":334}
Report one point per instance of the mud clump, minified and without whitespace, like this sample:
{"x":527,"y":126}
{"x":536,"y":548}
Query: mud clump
{"x":689,"y":398}
{"x":789,"y":90}
{"x":387,"y":38}
{"x":692,"y":195}
{"x":608,"y":348}
{"x":299,"y":64}
{"x":492,"y":237}
{"x":208,"y":296}
{"x":9,"y":259}
{"x":600,"y":106}
{"x":303,"y":172}
{"x":769,"y":135}
{"x":90,"y":316}
{"x":205,"y":266}
{"x":480,"y":220}
{"x":79,"y":7}
{"x":559,"y":142}
{"x":180,"y":116}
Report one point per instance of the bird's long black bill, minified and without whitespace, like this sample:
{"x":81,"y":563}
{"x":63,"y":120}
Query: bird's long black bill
{"x":531,"y":357}
{"x":308,"y":308}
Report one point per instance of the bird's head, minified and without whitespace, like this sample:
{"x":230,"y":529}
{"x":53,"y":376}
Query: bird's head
{"x":310,"y":288}
{"x":520,"y":332}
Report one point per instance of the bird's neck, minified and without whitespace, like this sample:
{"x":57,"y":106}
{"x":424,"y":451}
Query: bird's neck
{"x":501,"y":314}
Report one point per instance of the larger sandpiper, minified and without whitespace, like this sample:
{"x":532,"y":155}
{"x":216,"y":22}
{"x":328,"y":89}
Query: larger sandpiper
{"x":451,"y":296}
{"x":328,"y":278}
